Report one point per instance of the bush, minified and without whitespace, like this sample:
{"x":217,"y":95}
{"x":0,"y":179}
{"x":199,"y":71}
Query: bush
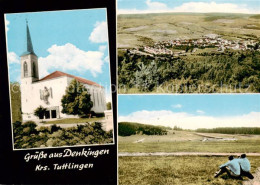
{"x":26,"y":135}
{"x":29,"y":127}
{"x":98,"y":115}
{"x":44,"y":129}
{"x":55,"y":128}
{"x":39,"y":112}
{"x":126,"y":129}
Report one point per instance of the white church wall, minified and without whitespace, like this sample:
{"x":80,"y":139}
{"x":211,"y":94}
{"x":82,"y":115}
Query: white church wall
{"x":31,"y":96}
{"x":108,"y":122}
{"x":97,"y":96}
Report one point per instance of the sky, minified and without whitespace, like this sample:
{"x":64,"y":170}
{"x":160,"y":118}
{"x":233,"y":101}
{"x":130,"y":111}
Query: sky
{"x":198,"y":6}
{"x":74,"y":42}
{"x":191,"y":111}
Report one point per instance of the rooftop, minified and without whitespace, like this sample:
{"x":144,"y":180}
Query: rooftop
{"x":79,"y":79}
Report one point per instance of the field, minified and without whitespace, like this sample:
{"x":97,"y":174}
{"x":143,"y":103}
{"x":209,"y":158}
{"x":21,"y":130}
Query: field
{"x":175,"y":170}
{"x":185,"y":141}
{"x":139,"y":30}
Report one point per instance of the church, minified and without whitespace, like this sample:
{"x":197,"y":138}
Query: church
{"x":48,"y":91}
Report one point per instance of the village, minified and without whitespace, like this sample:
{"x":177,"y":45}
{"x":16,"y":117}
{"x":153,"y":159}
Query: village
{"x":182,"y":46}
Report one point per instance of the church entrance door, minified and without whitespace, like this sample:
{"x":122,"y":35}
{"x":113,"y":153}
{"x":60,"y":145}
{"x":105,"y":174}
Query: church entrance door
{"x":47,"y":114}
{"x":53,"y":114}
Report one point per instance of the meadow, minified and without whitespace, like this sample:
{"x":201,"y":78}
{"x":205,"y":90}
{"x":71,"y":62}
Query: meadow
{"x":168,"y":170}
{"x":192,"y":170}
{"x":189,"y":141}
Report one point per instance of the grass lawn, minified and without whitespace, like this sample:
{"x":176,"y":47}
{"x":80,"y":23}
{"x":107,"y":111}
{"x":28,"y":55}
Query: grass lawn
{"x":243,"y":146}
{"x":74,"y":120}
{"x":175,"y":170}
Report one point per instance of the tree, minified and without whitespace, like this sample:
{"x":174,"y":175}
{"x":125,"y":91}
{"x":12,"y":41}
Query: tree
{"x":109,"y":106}
{"x":39,"y":112}
{"x":147,"y":77}
{"x":16,"y":101}
{"x":76,"y":100}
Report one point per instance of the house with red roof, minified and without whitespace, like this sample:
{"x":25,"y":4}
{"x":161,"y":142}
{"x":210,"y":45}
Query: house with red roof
{"x":48,"y":91}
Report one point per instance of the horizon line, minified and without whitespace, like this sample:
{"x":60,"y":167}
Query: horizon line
{"x":134,"y":13}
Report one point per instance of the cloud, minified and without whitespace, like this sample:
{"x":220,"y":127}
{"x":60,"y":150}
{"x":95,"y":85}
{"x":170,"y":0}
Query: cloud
{"x":177,"y":106}
{"x":211,"y":7}
{"x":13,"y":58}
{"x":69,"y":57}
{"x":196,"y":7}
{"x":190,"y":121}
{"x":14,"y":73}
{"x":6,"y":25}
{"x":200,"y":111}
{"x":156,"y":5}
{"x":99,"y":33}
{"x":102,"y":48}
{"x":106,"y":59}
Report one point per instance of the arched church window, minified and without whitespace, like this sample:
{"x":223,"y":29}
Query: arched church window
{"x":25,"y":68}
{"x":34,"y":70}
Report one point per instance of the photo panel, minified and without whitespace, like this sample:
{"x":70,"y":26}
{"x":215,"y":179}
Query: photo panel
{"x":54,"y":94}
{"x":57,"y":105}
{"x":188,"y":85}
{"x":188,"y":139}
{"x":167,"y":47}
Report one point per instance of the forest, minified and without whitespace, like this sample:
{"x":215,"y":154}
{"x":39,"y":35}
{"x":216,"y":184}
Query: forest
{"x":231,"y":130}
{"x":205,"y":72}
{"x":129,"y":128}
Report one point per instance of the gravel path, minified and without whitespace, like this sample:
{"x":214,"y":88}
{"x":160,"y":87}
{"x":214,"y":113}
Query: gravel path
{"x":127,"y":154}
{"x":256,"y":180}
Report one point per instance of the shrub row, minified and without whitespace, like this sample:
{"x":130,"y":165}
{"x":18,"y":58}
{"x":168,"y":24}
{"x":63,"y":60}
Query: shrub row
{"x":26,"y":135}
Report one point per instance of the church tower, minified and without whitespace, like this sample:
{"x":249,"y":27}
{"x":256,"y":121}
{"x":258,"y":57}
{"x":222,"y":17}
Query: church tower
{"x":29,"y":61}
{"x":29,"y":75}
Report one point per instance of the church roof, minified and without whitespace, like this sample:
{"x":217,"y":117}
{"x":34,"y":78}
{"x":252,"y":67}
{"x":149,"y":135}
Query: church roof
{"x":29,"y":46}
{"x":59,"y":74}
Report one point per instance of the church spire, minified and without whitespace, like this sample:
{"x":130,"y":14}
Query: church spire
{"x":29,"y":46}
